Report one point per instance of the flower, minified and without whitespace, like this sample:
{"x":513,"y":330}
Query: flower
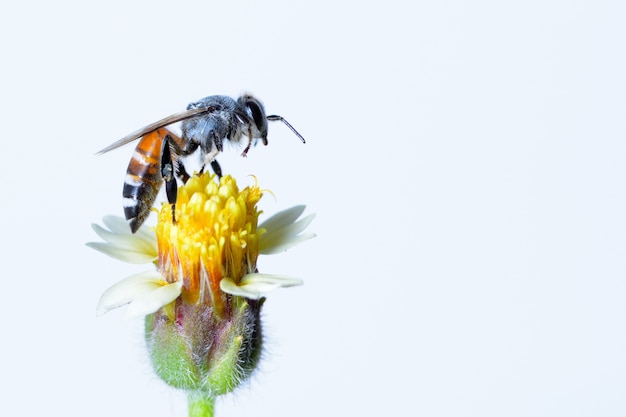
{"x":202,"y":303}
{"x":277,"y":234}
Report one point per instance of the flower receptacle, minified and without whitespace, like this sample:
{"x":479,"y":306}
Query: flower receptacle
{"x":193,"y":350}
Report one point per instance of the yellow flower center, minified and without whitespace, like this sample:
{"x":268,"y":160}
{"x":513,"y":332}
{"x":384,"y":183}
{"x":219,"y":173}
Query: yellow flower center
{"x":214,"y":236}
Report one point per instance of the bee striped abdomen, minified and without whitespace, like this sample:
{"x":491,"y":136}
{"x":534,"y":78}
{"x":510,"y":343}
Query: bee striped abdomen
{"x":143,"y":178}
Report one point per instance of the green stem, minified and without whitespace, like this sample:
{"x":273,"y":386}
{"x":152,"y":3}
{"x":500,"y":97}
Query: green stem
{"x":200,"y":404}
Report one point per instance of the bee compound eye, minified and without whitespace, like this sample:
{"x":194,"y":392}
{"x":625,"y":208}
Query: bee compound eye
{"x":258,"y":114}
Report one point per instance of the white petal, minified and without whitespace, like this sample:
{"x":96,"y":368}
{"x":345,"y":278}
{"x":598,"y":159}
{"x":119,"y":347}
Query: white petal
{"x":152,"y":301}
{"x":116,"y":224}
{"x":278,"y":280}
{"x":144,"y":240}
{"x":254,"y":286}
{"x":125,"y":255}
{"x":120,"y":243}
{"x":128,"y":289}
{"x":272,"y":243}
{"x":282,"y":231}
{"x":283,"y":218}
{"x":120,"y":226}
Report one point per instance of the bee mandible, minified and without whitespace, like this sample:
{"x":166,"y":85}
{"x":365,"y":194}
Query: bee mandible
{"x":206,"y":125}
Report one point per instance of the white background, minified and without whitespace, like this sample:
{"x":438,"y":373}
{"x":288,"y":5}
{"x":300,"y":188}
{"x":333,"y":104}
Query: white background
{"x":466,"y":161}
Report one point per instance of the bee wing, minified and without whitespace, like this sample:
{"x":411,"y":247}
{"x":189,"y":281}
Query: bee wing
{"x":176,"y":117}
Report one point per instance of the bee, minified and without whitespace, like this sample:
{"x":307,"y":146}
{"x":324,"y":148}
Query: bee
{"x":205,"y":126}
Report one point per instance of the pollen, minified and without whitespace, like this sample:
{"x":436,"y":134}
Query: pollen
{"x":213,"y":235}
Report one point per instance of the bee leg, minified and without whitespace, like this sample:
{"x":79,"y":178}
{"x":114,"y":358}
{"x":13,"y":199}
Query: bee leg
{"x":181,"y":172}
{"x":209,"y":158}
{"x":216,"y":168}
{"x":245,"y":151}
{"x":177,"y":165}
{"x":167,"y":172}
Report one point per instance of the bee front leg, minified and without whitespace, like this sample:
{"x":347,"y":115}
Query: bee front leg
{"x":247,"y":148}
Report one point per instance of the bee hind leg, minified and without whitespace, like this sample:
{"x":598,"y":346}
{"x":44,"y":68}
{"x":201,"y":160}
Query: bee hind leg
{"x":181,"y":172}
{"x":168,"y":174}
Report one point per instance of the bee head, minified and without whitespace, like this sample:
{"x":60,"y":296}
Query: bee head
{"x":255,"y":111}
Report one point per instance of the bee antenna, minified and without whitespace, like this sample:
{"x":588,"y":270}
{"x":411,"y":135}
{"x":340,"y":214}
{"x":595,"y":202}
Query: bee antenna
{"x":274,"y":117}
